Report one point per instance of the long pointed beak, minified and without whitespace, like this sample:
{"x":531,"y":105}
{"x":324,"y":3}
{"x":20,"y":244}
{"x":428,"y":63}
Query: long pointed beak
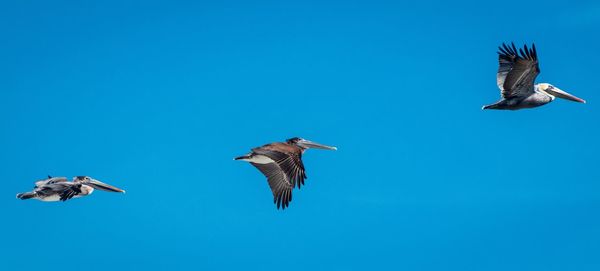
{"x":314,"y":145}
{"x":563,"y":94}
{"x":102,"y":186}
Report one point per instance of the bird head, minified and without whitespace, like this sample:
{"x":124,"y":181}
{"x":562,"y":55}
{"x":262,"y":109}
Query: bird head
{"x":97,"y":184}
{"x":557,"y":92}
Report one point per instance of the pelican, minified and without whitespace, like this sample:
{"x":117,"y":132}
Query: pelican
{"x":60,"y":189}
{"x":281,"y":163}
{"x":516,"y":76}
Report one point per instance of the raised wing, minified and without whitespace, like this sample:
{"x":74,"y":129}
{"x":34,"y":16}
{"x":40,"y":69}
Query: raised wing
{"x":517,"y":70}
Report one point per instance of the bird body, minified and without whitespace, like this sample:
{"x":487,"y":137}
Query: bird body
{"x":516,"y":75}
{"x":538,"y":98}
{"x":281,"y":163}
{"x":55,"y":191}
{"x":60,"y":189}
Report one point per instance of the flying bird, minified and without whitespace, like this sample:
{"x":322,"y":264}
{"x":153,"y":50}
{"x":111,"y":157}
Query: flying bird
{"x":281,"y":163}
{"x":60,"y":189}
{"x":516,"y":76}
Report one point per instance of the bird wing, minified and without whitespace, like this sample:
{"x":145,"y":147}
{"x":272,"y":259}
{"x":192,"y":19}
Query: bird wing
{"x":66,"y":190}
{"x":50,"y":180}
{"x":71,"y":190}
{"x":289,"y":162}
{"x":517,"y":70}
{"x":279,"y":183}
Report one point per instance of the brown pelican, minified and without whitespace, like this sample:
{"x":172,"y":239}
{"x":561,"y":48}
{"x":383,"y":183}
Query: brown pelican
{"x":281,"y":163}
{"x":516,"y":76}
{"x":59,"y":188}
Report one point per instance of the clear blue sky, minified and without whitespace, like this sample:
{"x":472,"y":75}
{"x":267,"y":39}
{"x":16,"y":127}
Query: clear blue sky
{"x":158,"y":97}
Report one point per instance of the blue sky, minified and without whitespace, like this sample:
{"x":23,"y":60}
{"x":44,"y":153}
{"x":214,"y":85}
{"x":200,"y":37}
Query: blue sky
{"x":158,"y":97}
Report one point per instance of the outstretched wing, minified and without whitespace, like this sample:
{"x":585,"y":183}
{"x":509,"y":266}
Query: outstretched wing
{"x":279,"y":183}
{"x":289,"y":162}
{"x":517,"y":70}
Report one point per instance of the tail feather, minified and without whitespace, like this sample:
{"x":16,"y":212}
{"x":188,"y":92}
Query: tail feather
{"x":491,"y":106}
{"x":26,"y":195}
{"x":242,"y":157}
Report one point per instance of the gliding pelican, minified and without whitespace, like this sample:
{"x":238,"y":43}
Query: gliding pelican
{"x":516,"y":76}
{"x":60,"y":189}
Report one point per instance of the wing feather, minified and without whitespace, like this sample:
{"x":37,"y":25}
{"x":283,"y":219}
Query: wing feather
{"x":70,"y":191}
{"x":290,"y":163}
{"x":278,"y":182}
{"x":517,"y":70}
{"x":65,"y":190}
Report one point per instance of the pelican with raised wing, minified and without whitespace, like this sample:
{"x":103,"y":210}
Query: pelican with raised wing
{"x":60,"y":189}
{"x":281,"y":163}
{"x":516,"y":76}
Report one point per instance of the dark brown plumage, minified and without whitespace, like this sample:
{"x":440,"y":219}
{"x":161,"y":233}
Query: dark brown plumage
{"x":281,"y":163}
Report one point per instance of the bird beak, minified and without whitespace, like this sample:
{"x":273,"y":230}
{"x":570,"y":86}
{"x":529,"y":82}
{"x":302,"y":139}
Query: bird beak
{"x":313,"y":145}
{"x":557,"y":92}
{"x":102,"y":186}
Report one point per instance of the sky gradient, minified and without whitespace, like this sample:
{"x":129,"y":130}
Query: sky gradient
{"x":158,"y":97}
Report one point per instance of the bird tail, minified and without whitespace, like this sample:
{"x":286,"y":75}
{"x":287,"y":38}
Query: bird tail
{"x":491,"y":106}
{"x":244,"y":157}
{"x":26,"y":195}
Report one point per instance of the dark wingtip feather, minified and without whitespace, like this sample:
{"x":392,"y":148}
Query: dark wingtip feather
{"x":511,"y":51}
{"x":283,"y":199}
{"x":278,"y":201}
{"x":503,"y":48}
